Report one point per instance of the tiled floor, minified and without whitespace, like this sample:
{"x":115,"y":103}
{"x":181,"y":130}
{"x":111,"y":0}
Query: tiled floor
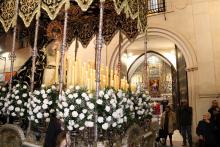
{"x":177,"y":140}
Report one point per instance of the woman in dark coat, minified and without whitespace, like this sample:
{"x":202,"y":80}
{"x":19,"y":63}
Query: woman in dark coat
{"x":206,"y":131}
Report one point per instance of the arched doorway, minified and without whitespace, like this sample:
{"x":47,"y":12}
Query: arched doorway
{"x":188,"y":53}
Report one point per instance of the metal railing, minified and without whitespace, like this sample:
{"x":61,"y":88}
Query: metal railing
{"x":156,"y":6}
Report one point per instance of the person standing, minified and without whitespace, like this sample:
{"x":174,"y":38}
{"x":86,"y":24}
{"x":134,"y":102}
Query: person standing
{"x":53,"y":130}
{"x":185,"y":122}
{"x":214,"y":110}
{"x":168,"y":123}
{"x":206,"y":130}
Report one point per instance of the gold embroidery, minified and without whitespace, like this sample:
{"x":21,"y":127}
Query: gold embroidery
{"x":28,"y":9}
{"x":52,"y":7}
{"x":7,"y":13}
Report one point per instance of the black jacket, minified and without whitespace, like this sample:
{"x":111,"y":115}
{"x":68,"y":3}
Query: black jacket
{"x":208,"y":131}
{"x":54,"y":128}
{"x":184,"y":116}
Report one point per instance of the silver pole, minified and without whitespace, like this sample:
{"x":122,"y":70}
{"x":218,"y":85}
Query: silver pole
{"x":145,"y":51}
{"x":12,"y":54}
{"x":98,"y":64}
{"x":34,"y":55}
{"x":62,"y":52}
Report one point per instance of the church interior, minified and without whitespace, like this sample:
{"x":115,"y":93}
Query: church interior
{"x":109,"y":73}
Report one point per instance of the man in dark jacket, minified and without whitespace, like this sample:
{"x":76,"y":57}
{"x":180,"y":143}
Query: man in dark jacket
{"x":185,"y":122}
{"x":53,"y":130}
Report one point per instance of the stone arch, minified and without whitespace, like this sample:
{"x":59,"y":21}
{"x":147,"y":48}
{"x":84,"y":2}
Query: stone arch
{"x":185,"y":47}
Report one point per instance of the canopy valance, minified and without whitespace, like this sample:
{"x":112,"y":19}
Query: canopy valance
{"x":29,"y":9}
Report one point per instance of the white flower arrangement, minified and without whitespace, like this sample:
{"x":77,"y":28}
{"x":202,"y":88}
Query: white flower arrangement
{"x":3,"y":94}
{"x":142,"y":105}
{"x":16,"y":102}
{"x":75,"y":109}
{"x":110,"y":114}
{"x":42,"y":104}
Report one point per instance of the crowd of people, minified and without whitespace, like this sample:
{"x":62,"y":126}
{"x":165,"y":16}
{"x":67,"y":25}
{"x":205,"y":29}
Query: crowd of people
{"x":208,"y":129}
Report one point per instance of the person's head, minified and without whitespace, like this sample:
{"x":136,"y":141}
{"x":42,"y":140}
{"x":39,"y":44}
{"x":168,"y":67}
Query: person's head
{"x":184,"y":102}
{"x":61,"y":140}
{"x":206,"y":116}
{"x":214,"y":103}
{"x":167,"y":108}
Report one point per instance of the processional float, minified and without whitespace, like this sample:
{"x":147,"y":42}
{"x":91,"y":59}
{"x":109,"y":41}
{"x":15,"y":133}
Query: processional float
{"x":30,"y":9}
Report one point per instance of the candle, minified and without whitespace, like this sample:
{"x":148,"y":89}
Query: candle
{"x":57,"y":67}
{"x":73,"y":74}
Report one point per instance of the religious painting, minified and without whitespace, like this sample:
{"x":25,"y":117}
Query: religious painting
{"x":154,"y":85}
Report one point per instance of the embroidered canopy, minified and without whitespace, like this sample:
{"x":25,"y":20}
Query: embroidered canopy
{"x":28,"y":9}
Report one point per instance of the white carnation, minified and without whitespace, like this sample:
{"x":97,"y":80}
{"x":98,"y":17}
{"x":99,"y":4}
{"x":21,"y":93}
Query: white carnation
{"x":109,"y":118}
{"x":105,"y":126}
{"x":67,"y":91}
{"x":42,"y":91}
{"x":21,"y":114}
{"x":50,"y":103}
{"x":44,"y":96}
{"x":48,"y":90}
{"x":70,"y":128}
{"x":16,"y":97}
{"x":81,"y":116}
{"x":74,"y":114}
{"x":106,"y":96}
{"x":114,"y":124}
{"x":76,"y":126}
{"x":70,"y":96}
{"x":89,"y":124}
{"x":19,"y":102}
{"x":91,"y":106}
{"x":39,"y":115}
{"x":81,"y":128}
{"x":101,"y":93}
{"x":84,"y":94}
{"x":99,"y":101}
{"x":46,"y":115}
{"x":89,"y":117}
{"x":47,"y":119}
{"x":77,"y":87}
{"x":45,"y":101}
{"x":13,"y":114}
{"x":84,"y":111}
{"x":72,"y":107}
{"x":107,"y":108}
{"x":17,"y":109}
{"x":78,"y":101}
{"x":119,"y":94}
{"x":64,"y":104}
{"x":71,"y":122}
{"x":44,"y":106}
{"x":24,"y":95}
{"x":36,"y":121}
{"x":3,"y":89}
{"x":100,"y":119}
{"x":75,"y":95}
